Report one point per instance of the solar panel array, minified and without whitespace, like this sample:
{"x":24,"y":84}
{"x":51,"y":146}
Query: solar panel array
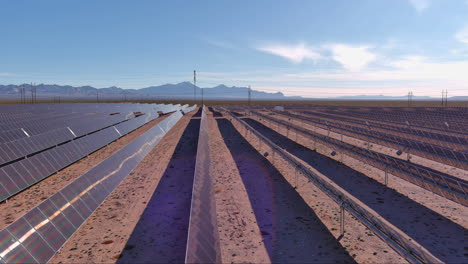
{"x":394,"y":237}
{"x":203,"y":238}
{"x":427,"y":150}
{"x":443,"y":120}
{"x":431,"y":136}
{"x":442,"y":184}
{"x":38,"y":235}
{"x":29,"y":160}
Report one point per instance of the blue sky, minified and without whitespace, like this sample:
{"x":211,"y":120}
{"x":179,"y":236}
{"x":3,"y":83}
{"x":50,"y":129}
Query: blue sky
{"x":310,"y":48}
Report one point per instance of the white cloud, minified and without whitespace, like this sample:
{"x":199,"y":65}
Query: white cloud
{"x":219,"y":43}
{"x":294,"y":53}
{"x":412,"y":73}
{"x":462,"y":35}
{"x":419,"y":5}
{"x":352,"y":58}
{"x":6,"y":74}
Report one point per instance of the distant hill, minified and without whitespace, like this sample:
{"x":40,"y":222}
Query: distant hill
{"x":180,"y":90}
{"x":184,"y":90}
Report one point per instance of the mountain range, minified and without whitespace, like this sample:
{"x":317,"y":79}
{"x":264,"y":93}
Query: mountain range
{"x":180,"y":90}
{"x":184,"y":90}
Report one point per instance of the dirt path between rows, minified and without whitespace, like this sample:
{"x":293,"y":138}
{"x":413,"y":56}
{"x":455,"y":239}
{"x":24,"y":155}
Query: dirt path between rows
{"x":160,"y":236}
{"x":291,"y":230}
{"x":240,"y":237}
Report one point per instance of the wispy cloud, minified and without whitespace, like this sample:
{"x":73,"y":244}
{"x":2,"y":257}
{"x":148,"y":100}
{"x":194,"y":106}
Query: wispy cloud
{"x":411,"y":73}
{"x":6,"y":74}
{"x":219,"y":43}
{"x":352,"y":58}
{"x":295,"y":53}
{"x":462,"y":35}
{"x":420,"y":5}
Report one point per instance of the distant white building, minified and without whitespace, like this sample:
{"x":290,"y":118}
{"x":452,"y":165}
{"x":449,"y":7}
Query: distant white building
{"x":278,"y":108}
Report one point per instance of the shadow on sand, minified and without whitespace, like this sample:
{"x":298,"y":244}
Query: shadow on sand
{"x":160,"y":235}
{"x":442,"y":237}
{"x":291,"y":230}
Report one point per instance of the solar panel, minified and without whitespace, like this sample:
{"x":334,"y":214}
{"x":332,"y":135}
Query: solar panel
{"x":59,"y":216}
{"x":203,"y":240}
{"x":413,"y":173}
{"x":28,"y":171}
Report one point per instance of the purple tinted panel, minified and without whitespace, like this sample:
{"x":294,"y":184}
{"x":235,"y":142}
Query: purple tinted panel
{"x":82,"y":208}
{"x":52,"y":235}
{"x":19,"y":228}
{"x":73,"y":216}
{"x":3,"y":192}
{"x":82,"y":181}
{"x":63,"y":155}
{"x":19,"y":255}
{"x":48,"y":208}
{"x":32,"y":169}
{"x":49,"y":168}
{"x":38,"y":164}
{"x":15,"y":176}
{"x":63,"y":225}
{"x":8,"y":183}
{"x":90,"y":201}
{"x":6,"y":239}
{"x":3,"y":156}
{"x":24,"y":172}
{"x":61,"y":161}
{"x":38,"y":247}
{"x":55,"y":165}
{"x":72,"y":190}
{"x":15,"y":151}
{"x":99,"y":193}
{"x":58,"y":200}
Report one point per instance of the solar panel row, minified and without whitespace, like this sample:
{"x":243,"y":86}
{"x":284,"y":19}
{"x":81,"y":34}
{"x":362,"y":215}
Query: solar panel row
{"x":436,"y":138}
{"x":38,"y":235}
{"x":430,"y":151}
{"x":203,"y":238}
{"x":404,"y":245}
{"x":416,"y":121}
{"x":445,"y":185}
{"x":21,"y":174}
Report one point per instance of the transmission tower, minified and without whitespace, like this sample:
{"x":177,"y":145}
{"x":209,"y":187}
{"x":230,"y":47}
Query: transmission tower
{"x":194,"y":86}
{"x":446,"y":97}
{"x":250,"y":95}
{"x":410,"y":98}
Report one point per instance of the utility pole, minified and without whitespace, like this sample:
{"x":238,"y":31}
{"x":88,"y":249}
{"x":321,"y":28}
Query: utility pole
{"x":194,"y":86}
{"x":446,"y":97}
{"x":32,"y":93}
{"x":250,"y":95}
{"x":201,"y":96}
{"x":97,"y":96}
{"x":22,"y":94}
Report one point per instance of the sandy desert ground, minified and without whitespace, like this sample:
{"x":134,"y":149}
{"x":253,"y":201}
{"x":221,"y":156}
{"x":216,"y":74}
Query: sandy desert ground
{"x":266,"y":211}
